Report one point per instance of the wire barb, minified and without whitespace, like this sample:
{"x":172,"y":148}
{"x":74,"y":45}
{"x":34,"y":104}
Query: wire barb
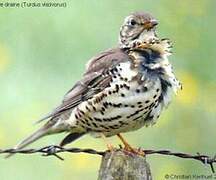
{"x":53,"y":150}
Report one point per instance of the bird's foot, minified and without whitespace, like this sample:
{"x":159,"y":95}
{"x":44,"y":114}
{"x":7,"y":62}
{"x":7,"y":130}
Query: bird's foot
{"x":128,"y":148}
{"x":137,"y":151}
{"x":110,"y":147}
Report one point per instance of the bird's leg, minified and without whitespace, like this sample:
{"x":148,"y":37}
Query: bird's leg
{"x":129,"y":148}
{"x":109,"y":145}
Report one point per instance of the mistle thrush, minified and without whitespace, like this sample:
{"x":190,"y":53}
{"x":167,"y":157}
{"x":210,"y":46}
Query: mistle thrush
{"x":122,"y":89}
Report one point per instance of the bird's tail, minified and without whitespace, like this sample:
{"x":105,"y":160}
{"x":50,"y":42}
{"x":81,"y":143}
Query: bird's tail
{"x":32,"y":138}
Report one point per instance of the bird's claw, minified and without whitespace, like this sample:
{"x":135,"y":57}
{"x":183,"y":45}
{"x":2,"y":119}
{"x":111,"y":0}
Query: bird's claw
{"x":136,"y":151}
{"x":110,"y":147}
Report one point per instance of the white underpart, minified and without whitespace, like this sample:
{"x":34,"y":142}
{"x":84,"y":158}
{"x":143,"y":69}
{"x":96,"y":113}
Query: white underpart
{"x":164,"y":49}
{"x":131,"y":97}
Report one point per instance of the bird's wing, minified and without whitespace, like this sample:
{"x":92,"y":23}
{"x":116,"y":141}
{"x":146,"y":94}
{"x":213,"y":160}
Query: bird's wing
{"x":92,"y":81}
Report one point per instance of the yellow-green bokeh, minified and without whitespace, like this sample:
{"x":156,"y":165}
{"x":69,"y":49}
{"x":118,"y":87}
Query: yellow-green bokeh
{"x":43,"y":52}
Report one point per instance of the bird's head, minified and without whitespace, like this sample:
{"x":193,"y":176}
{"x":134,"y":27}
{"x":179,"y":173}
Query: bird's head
{"x":137,"y":27}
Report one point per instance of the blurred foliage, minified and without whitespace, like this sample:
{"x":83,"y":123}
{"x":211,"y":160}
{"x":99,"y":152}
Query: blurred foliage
{"x":43,"y":52}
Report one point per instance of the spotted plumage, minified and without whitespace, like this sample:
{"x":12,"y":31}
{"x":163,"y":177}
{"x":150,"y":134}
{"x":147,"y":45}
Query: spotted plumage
{"x":122,"y":89}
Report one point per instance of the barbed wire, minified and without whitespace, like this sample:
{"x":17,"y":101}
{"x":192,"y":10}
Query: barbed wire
{"x":53,"y":150}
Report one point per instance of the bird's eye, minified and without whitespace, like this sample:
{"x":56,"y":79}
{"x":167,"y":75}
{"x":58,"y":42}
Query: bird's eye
{"x":132,"y":22}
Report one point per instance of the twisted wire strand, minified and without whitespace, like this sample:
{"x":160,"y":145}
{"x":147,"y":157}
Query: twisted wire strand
{"x":53,"y":150}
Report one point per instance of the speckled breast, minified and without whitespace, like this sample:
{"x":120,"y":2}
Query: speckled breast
{"x":131,"y":101}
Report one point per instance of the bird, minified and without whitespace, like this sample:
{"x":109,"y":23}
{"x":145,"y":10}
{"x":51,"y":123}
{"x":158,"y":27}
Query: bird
{"x":122,"y":89}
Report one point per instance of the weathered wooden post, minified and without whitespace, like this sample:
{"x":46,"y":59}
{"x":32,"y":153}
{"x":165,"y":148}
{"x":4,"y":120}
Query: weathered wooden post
{"x":118,"y":165}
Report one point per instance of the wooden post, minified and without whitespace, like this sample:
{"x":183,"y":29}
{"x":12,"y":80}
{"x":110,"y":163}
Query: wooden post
{"x":119,"y":165}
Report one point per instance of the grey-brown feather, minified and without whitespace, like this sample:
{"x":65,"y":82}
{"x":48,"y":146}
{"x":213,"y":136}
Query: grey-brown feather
{"x":92,"y":82}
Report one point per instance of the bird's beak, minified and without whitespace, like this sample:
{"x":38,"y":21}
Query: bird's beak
{"x":150,"y":24}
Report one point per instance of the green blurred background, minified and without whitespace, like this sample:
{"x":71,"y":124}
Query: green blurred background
{"x":43,"y":52}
